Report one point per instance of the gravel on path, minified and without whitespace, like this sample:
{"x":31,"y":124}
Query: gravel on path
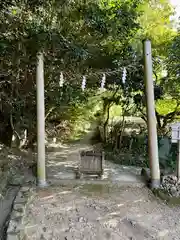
{"x":97,"y":211}
{"x":90,"y":211}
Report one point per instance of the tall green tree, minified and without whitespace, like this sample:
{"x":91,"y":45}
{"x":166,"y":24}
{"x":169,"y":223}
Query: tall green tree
{"x":76,"y":37}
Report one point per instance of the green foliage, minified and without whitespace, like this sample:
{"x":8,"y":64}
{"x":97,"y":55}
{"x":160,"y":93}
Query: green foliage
{"x":166,"y":106}
{"x":78,"y":38}
{"x":156,"y":25}
{"x":173,"y":62}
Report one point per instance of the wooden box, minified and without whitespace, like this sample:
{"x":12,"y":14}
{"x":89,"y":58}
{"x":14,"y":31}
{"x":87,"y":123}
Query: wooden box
{"x":91,"y":163}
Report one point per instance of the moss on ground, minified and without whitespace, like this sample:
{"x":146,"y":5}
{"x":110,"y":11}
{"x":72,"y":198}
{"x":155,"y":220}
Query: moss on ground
{"x":163,"y":195}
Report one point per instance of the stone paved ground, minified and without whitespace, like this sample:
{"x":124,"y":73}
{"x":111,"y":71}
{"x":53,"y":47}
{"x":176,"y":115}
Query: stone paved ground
{"x":5,"y":208}
{"x":97,"y":211}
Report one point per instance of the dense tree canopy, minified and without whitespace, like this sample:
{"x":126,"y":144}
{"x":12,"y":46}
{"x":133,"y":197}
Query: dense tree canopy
{"x":77,"y":38}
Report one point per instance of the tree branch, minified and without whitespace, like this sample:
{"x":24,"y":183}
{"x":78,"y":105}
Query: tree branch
{"x":13,"y":128}
{"x":49,"y":112}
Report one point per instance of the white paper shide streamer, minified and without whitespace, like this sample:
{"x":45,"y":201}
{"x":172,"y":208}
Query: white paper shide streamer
{"x":83,"y":86}
{"x":124,"y":75}
{"x":103,"y":81}
{"x":61,"y":81}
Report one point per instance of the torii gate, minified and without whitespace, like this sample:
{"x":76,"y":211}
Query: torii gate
{"x":41,"y":164}
{"x":151,"y":116}
{"x":152,"y":131}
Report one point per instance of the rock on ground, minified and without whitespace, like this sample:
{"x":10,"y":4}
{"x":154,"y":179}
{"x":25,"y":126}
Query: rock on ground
{"x":171,"y":185}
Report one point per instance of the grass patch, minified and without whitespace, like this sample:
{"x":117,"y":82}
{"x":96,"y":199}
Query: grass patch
{"x":126,"y":159}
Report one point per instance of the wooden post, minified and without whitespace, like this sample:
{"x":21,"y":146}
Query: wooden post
{"x":151,"y":117}
{"x":175,"y":138}
{"x":41,"y":166}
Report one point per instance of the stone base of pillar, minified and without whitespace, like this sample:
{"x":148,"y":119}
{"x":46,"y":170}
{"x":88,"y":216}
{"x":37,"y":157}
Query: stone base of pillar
{"x":42,"y":184}
{"x":155,"y":184}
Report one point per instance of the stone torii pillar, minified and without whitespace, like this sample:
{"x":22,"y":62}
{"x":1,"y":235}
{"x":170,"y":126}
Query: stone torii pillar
{"x":41,"y":165}
{"x":151,"y":117}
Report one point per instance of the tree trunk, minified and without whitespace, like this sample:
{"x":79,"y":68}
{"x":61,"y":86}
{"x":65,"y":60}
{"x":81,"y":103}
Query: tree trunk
{"x":121,"y":134}
{"x":6,"y":134}
{"x":31,"y":138}
{"x":107,"y":110}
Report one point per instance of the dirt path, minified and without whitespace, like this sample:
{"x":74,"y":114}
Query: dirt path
{"x":99,"y":212}
{"x":63,"y":160}
{"x":81,"y":211}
